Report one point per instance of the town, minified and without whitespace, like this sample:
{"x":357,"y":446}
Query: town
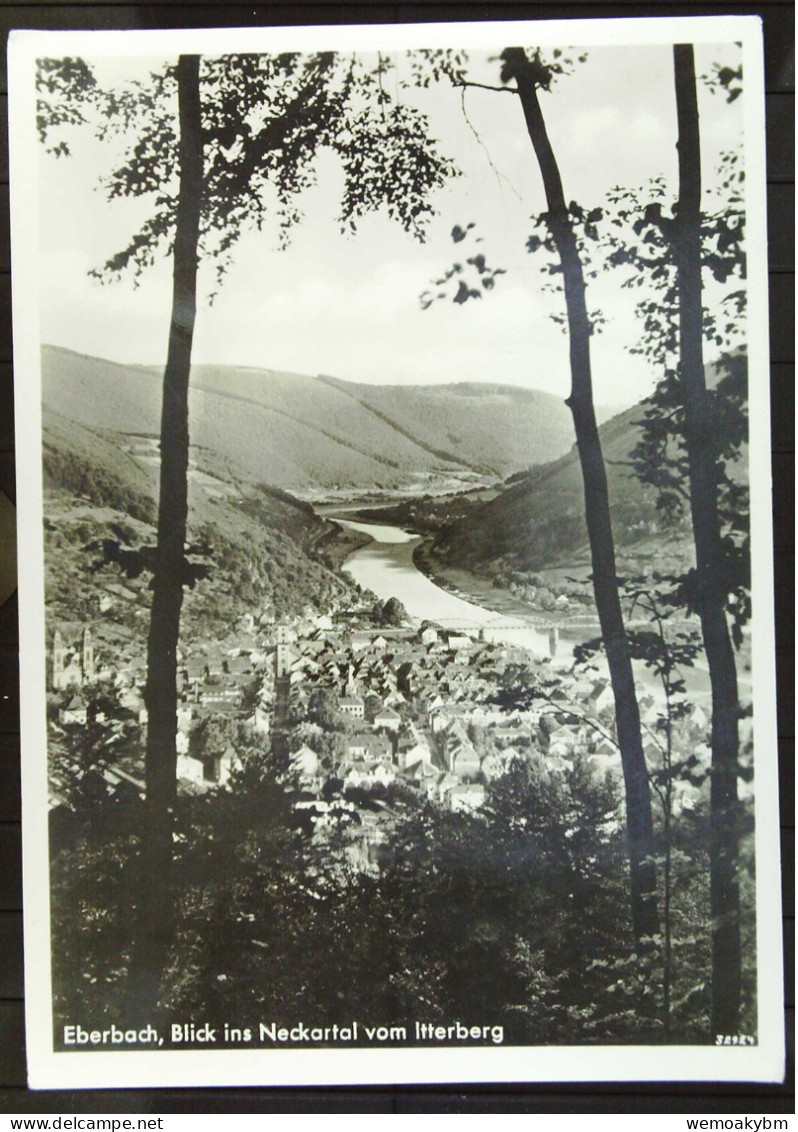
{"x":364,"y":720}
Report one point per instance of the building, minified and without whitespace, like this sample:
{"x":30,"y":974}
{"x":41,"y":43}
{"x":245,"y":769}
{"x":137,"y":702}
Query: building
{"x":368,"y":745}
{"x":285,"y":658}
{"x":388,"y":718}
{"x":74,"y":711}
{"x":73,"y":667}
{"x":221,"y":697}
{"x":465,"y":796}
{"x":352,"y":705}
{"x":214,"y":770}
{"x":305,"y":765}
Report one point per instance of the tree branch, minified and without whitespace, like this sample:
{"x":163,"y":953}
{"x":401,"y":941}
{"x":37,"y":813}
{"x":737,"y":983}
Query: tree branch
{"x":485,"y":86}
{"x":497,"y":172}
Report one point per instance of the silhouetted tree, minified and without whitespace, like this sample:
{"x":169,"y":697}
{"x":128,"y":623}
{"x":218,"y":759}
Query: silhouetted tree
{"x":524,"y":73}
{"x":244,"y":143}
{"x":710,"y":582}
{"x":693,"y":432}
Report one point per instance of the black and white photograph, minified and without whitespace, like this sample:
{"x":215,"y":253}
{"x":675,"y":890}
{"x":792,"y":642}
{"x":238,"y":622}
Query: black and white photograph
{"x":395,"y":558}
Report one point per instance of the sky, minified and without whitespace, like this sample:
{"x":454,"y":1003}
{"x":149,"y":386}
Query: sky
{"x":349,"y":306}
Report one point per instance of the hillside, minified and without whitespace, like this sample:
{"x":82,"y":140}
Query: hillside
{"x":268,"y":551}
{"x":539,"y":521}
{"x":494,"y":424}
{"x":303,"y":432}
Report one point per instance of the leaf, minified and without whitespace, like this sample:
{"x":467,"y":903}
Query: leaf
{"x":459,"y":234}
{"x":464,"y":293}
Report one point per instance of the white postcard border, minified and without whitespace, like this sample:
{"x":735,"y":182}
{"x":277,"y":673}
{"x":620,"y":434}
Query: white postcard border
{"x":371,"y":1066}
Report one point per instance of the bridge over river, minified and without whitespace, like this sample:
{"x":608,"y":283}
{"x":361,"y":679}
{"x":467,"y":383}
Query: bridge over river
{"x":386,"y":567}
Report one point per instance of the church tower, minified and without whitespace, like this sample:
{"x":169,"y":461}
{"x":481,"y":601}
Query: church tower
{"x":88,"y":671}
{"x":59,"y":661}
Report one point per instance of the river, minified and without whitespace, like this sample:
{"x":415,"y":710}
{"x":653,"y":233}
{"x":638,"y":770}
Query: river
{"x":386,"y":568}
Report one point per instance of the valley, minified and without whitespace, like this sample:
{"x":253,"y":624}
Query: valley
{"x":290,"y":573}
{"x":514,"y":546}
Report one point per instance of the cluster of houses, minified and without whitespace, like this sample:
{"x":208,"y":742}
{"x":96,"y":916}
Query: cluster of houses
{"x":424,"y":710}
{"x":235,"y":678}
{"x":417,"y":708}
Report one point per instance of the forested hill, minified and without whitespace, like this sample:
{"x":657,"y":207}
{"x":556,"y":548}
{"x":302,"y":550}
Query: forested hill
{"x":539,"y":519}
{"x":302,"y":432}
{"x":266,"y":550}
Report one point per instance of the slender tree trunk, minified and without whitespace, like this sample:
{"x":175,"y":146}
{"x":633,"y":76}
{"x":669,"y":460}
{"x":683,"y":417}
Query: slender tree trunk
{"x":667,"y":899}
{"x":702,"y":461}
{"x":167,"y":584}
{"x":640,"y":830}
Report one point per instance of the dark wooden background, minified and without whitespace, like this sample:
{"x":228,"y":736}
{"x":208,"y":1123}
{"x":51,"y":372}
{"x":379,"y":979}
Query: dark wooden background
{"x":778,"y":20}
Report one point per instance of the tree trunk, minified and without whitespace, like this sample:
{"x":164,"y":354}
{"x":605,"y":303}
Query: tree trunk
{"x":640,"y":830}
{"x":702,"y":462}
{"x":167,"y":582}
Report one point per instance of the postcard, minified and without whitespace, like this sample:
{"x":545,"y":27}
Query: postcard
{"x":394,"y":528}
